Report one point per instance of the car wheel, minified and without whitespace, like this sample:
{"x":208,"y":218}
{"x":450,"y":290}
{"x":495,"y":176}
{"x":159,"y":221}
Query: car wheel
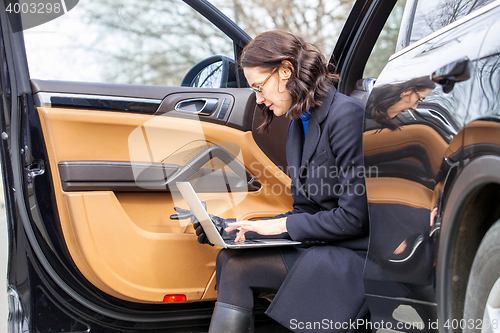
{"x":482,"y":301}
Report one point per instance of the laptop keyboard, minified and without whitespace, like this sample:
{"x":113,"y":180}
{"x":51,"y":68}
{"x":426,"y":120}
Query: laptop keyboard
{"x":248,"y":241}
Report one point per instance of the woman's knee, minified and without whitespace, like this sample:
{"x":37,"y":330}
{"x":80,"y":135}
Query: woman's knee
{"x":236,"y":266}
{"x":223,"y":255}
{"x":220,"y":261}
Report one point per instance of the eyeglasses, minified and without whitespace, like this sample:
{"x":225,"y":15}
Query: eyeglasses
{"x":259,"y":88}
{"x":420,"y":99}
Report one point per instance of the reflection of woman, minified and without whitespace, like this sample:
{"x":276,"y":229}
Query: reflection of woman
{"x":320,"y":282}
{"x":388,"y":101}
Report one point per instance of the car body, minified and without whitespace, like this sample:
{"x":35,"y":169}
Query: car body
{"x":90,"y":168}
{"x":435,"y":159}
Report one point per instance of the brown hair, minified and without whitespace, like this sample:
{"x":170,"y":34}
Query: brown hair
{"x":310,"y":78}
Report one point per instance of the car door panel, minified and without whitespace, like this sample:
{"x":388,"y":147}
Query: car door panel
{"x":121,"y":238}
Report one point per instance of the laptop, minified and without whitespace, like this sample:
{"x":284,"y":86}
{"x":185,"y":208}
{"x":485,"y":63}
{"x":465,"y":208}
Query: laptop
{"x":213,"y":235}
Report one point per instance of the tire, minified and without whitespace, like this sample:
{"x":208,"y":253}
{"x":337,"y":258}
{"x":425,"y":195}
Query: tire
{"x":483,"y":287}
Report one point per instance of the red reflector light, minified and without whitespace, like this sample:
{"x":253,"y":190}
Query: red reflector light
{"x":174,"y":298}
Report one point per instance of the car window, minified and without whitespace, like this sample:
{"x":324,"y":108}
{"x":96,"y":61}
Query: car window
{"x":386,"y":42}
{"x":115,"y":41}
{"x":319,"y":22}
{"x":432,"y":15}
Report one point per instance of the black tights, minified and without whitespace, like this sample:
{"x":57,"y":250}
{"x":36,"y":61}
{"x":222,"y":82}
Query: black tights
{"x":240,"y":273}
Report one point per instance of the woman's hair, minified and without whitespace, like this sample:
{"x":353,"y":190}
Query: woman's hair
{"x":310,"y":77}
{"x":383,"y":97}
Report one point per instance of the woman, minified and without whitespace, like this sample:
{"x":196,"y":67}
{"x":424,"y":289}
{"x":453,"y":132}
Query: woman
{"x":319,"y":287}
{"x":388,"y":101}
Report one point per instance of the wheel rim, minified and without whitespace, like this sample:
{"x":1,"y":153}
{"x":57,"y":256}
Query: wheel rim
{"x":491,"y":318}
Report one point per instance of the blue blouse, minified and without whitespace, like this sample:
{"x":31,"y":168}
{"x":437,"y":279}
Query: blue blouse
{"x":305,"y":121}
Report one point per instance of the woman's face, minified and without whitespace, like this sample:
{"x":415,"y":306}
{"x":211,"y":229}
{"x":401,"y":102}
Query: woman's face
{"x":274,"y":94}
{"x":409,"y":101}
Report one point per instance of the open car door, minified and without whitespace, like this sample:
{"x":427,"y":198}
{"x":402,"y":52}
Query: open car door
{"x":90,"y":172}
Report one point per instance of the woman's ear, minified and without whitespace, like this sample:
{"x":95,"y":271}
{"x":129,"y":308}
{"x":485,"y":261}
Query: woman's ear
{"x":286,"y":69}
{"x":406,"y":93}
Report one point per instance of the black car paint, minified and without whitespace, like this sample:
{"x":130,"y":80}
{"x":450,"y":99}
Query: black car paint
{"x":431,"y":283}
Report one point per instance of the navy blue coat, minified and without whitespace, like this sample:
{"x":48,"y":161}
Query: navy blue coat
{"x":324,"y":288}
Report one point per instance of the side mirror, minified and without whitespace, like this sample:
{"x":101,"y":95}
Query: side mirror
{"x":452,"y":73}
{"x":213,"y":72}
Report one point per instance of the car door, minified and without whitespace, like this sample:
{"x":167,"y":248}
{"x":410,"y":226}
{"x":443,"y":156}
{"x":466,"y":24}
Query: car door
{"x":90,"y":171}
{"x":416,"y":163}
{"x":90,"y":168}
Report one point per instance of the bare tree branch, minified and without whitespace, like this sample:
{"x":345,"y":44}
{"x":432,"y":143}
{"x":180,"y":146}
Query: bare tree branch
{"x":161,"y":39}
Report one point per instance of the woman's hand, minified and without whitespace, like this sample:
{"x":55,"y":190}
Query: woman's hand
{"x":263,"y":227}
{"x":433,"y":216}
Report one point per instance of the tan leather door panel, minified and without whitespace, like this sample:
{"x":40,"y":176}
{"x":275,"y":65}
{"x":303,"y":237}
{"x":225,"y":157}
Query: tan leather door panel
{"x":124,"y":242}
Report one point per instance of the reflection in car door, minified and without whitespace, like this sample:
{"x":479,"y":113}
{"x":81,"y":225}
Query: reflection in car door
{"x":416,"y":163}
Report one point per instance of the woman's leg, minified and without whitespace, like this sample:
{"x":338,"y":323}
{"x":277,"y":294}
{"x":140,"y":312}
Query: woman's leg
{"x":240,"y":273}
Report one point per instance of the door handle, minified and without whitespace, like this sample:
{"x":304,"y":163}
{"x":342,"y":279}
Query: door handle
{"x":200,"y":106}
